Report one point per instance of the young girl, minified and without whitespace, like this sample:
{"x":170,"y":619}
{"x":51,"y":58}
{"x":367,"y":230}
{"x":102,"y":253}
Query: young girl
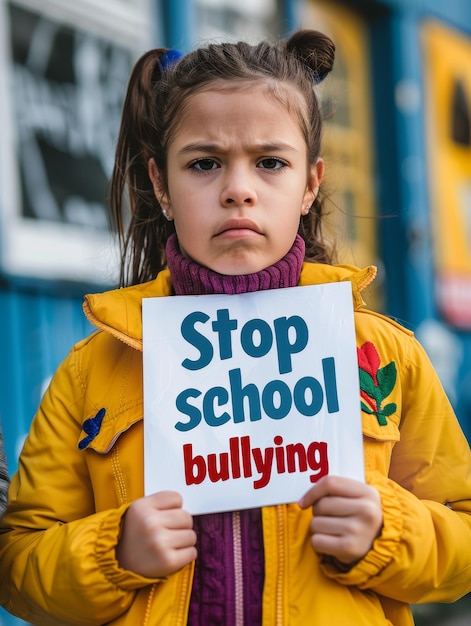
{"x":219,"y":162}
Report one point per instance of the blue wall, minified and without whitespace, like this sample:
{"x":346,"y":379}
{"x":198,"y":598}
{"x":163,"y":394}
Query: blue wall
{"x":37,"y":329}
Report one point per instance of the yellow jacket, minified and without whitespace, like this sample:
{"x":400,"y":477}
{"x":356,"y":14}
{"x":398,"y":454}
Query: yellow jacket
{"x":57,"y":547}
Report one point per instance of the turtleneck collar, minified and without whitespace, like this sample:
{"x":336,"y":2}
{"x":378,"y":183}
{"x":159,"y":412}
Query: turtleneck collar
{"x":191,"y":278}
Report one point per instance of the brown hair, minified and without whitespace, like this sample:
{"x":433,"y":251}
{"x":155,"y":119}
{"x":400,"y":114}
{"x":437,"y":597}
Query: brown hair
{"x":155,"y":98}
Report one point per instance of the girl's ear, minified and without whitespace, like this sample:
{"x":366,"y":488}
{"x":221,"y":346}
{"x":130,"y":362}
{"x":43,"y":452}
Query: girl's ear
{"x":315,"y":176}
{"x":161,"y":194}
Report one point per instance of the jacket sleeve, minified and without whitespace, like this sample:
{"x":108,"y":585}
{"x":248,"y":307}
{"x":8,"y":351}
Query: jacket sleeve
{"x":57,"y":555}
{"x":424,"y":551}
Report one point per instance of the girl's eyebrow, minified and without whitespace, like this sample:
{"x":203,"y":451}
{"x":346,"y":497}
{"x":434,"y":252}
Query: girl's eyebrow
{"x":214,"y":148}
{"x":199,"y":147}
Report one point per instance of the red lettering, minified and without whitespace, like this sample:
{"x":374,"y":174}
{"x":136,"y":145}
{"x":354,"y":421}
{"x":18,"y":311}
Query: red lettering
{"x":246,"y":459}
{"x":279,"y":453}
{"x":263,"y":463}
{"x":296,"y":450}
{"x":215,"y":474}
{"x":237,"y":462}
{"x":235,"y":459}
{"x":191,"y":463}
{"x":318,"y":460}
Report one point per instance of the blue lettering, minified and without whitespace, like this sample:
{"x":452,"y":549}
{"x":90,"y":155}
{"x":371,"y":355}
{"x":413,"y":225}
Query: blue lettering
{"x":188,"y":409}
{"x":210,"y":417}
{"x":247,"y":338}
{"x":224,"y":325}
{"x":317,"y":396}
{"x":239,"y":393}
{"x":284,"y":346}
{"x":197,"y":340}
{"x":328,"y":367}
{"x":285,"y":401}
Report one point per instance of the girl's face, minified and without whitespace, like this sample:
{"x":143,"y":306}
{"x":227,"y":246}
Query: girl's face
{"x":238,"y":180}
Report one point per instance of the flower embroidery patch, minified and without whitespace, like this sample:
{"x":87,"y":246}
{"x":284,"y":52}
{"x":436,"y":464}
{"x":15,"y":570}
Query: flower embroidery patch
{"x":376,"y":383}
{"x":92,"y":428}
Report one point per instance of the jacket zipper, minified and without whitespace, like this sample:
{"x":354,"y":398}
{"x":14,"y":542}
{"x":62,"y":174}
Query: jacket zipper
{"x":148,"y":605}
{"x":238,"y":570}
{"x":183,"y":595}
{"x":281,"y":567}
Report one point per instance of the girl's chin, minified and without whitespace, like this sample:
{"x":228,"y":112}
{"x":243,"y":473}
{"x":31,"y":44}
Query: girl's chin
{"x":238,"y":268}
{"x":240,"y":260}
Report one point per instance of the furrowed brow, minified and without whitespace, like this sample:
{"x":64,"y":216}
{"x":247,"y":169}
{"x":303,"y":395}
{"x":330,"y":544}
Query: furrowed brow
{"x":278,"y":146}
{"x":207,"y":148}
{"x":214,"y":148}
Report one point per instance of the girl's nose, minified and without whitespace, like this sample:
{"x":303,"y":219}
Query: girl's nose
{"x":238,"y":190}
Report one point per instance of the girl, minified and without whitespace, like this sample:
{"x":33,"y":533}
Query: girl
{"x":218,"y":162}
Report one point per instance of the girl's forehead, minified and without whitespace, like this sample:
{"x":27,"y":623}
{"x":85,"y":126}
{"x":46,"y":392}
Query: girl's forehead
{"x":225,"y":108}
{"x":285,"y":97}
{"x":233,"y":104}
{"x":236,"y":122}
{"x":268,"y":87}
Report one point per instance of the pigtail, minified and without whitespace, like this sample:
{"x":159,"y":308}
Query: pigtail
{"x":136,"y":214}
{"x":315,"y":50}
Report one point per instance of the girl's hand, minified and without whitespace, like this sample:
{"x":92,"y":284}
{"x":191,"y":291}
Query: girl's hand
{"x":157,"y":537}
{"x":347,"y":517}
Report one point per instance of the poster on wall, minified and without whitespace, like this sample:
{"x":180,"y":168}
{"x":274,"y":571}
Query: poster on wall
{"x":448,"y":107}
{"x":65,"y":87}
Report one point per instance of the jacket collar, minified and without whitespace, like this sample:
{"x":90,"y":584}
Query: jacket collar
{"x":119,"y":312}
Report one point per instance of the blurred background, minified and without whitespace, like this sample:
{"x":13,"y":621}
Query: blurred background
{"x":397,"y":145}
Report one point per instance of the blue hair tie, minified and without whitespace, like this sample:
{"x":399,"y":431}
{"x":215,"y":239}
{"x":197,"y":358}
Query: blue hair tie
{"x":318,"y":78}
{"x":169,"y":58}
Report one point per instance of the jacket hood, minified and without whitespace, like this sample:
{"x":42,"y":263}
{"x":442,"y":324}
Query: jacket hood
{"x":119,"y":312}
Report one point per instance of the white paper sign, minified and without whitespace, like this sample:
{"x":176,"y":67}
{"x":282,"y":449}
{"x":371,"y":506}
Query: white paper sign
{"x":250,"y":399}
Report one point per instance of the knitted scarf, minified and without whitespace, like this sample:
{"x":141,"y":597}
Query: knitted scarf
{"x":229,"y":542}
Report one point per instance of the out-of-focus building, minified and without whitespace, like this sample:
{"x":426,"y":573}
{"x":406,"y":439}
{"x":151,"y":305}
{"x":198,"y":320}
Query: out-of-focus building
{"x":397,"y":145}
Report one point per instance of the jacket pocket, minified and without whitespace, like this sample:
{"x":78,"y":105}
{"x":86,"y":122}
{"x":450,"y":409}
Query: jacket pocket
{"x":104,"y":426}
{"x":378,"y":443}
{"x":115,"y":458}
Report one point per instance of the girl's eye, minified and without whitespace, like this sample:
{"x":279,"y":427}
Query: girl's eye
{"x":271,"y":163}
{"x":204,"y":165}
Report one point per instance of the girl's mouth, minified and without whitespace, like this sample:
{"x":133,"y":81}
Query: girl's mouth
{"x":238,"y":228}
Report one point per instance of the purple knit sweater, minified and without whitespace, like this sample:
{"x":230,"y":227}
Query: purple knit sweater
{"x":229,"y":570}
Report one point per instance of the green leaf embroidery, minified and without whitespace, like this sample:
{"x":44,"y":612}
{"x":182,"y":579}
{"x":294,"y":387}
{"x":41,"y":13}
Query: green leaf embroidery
{"x":389,"y":409}
{"x":387,"y":378}
{"x":376,"y":383}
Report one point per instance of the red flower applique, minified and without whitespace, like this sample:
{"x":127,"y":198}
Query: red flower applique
{"x":376,"y":383}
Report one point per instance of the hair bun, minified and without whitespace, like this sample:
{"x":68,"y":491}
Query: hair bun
{"x":315,"y":50}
